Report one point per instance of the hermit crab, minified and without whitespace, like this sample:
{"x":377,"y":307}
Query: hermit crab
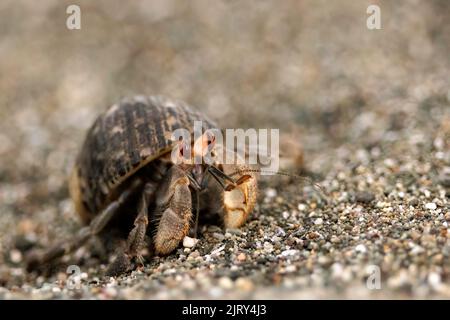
{"x":125,"y":185}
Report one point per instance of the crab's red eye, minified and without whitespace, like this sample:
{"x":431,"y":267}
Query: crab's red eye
{"x":181,"y":148}
{"x":211,"y":140}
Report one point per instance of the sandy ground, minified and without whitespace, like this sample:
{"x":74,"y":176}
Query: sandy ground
{"x":370,"y":108}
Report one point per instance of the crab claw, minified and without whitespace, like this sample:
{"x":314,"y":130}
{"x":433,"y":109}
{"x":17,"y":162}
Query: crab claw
{"x":239,"y":200}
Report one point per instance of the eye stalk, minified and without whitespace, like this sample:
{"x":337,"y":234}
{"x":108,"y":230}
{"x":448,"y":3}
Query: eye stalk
{"x":204,"y":145}
{"x":198,"y":173}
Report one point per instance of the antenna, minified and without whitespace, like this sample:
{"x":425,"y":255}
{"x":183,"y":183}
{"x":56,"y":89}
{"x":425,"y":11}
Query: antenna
{"x":317,"y":187}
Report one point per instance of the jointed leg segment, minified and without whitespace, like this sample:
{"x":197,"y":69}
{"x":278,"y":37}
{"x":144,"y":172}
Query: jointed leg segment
{"x":34,"y":260}
{"x":136,"y":238}
{"x":174,"y":200}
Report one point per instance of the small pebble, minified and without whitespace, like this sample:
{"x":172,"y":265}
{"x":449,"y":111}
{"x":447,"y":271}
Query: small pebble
{"x":244,"y":284}
{"x":225,"y":283}
{"x":241,"y":257}
{"x":318,"y":221}
{"x":56,"y":290}
{"x":110,"y":292}
{"x":434,"y":279}
{"x":364,"y":197}
{"x":291,"y":268}
{"x":218,"y":236}
{"x":194,"y":254}
{"x":290,"y":252}
{"x":234,"y":231}
{"x":15,"y":256}
{"x":218,"y":250}
{"x":189,"y":242}
{"x":447,"y":216}
{"x":271,"y":193}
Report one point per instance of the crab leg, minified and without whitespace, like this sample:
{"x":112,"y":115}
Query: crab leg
{"x":136,"y":237}
{"x":35,"y":259}
{"x":174,"y":199}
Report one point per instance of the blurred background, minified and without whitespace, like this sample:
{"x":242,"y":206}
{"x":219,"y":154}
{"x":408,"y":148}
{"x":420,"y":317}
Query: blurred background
{"x":310,"y":68}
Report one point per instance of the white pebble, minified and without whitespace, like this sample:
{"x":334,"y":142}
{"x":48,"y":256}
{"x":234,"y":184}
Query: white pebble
{"x":216,"y":251}
{"x":15,"y":256}
{"x":226,"y":283}
{"x":302,"y":207}
{"x":360,"y":248}
{"x":110,"y":291}
{"x":189,"y":242}
{"x":291,"y":268}
{"x":280,"y":232}
{"x":390,"y":163}
{"x":318,"y":221}
{"x":417,"y":250}
{"x":291,"y":252}
{"x":271,"y":193}
{"x":381,"y":204}
{"x":336,"y":270}
{"x":216,"y":293}
{"x":434,"y":279}
{"x":56,"y":290}
{"x":431,"y":206}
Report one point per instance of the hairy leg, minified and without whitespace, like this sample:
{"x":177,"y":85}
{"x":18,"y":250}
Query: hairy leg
{"x":174,"y":201}
{"x":136,"y":238}
{"x":194,"y":229}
